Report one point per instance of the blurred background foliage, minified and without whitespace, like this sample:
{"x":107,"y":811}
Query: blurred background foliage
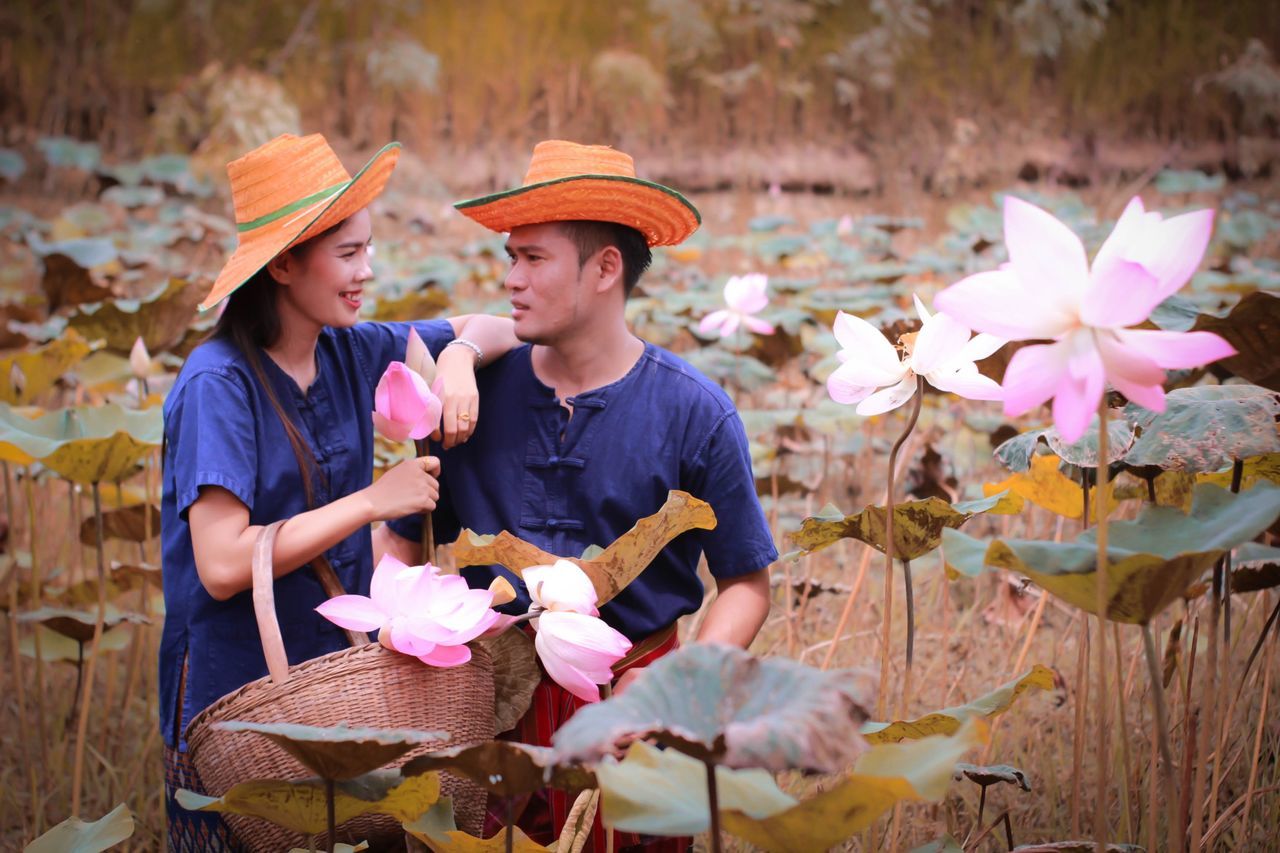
{"x":909,"y":79}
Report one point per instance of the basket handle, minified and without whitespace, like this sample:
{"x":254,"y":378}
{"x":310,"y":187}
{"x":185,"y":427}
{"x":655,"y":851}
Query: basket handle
{"x":264,"y":601}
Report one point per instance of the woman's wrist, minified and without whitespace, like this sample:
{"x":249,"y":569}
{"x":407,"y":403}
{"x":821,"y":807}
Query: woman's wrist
{"x":462,"y":358}
{"x":460,"y":343}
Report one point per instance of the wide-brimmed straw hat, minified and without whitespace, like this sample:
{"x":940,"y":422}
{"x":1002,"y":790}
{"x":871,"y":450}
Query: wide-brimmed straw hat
{"x":568,"y":181}
{"x":288,"y":191}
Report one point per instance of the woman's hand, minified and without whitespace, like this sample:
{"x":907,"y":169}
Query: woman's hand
{"x":408,"y":488}
{"x":456,"y":370}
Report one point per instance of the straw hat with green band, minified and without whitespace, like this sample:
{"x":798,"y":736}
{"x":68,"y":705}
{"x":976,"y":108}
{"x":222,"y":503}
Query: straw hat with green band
{"x":288,"y":191}
{"x":568,"y":181}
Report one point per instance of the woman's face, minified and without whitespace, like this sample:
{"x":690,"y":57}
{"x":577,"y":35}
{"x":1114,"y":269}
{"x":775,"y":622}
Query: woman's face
{"x":324,"y":281}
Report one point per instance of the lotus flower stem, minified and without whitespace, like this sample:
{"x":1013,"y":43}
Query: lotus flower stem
{"x":1100,"y":704}
{"x":428,"y":531}
{"x":330,"y":809}
{"x":37,"y":585}
{"x":1175,"y":839}
{"x":887,"y":621}
{"x":19,"y":689}
{"x":82,"y":728}
{"x":713,"y":803}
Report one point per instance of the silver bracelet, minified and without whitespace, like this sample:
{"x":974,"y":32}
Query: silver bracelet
{"x":471,"y":345}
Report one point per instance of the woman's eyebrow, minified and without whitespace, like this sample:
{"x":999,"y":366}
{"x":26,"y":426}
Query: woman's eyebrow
{"x":354,"y":244}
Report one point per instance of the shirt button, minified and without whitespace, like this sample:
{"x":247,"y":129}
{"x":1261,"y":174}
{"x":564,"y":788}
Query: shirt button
{"x":554,"y":460}
{"x":552,"y":523}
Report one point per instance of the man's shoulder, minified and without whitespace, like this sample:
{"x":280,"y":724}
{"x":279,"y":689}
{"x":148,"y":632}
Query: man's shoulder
{"x":686,"y":385}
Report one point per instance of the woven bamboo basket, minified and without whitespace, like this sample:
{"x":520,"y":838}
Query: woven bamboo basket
{"x":363,"y":686}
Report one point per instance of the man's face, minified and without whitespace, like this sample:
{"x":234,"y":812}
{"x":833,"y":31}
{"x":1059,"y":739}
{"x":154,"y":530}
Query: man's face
{"x":549,"y":297}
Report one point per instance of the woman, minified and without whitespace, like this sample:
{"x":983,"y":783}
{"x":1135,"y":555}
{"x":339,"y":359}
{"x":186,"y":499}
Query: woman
{"x":270,"y":419}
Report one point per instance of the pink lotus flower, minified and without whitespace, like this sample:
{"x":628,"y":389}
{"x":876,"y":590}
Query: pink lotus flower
{"x":404,"y":405}
{"x":745,"y":295}
{"x":417,"y":611}
{"x":1048,"y":290}
{"x":576,"y":647}
{"x":872,"y":375}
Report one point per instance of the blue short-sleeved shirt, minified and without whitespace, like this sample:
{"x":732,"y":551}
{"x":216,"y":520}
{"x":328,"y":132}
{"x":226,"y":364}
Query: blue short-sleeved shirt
{"x":221,"y":430}
{"x":566,"y":483}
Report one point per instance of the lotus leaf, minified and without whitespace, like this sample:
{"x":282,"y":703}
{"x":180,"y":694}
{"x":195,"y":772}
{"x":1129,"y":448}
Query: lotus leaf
{"x":12,"y":165}
{"x":1251,"y":329}
{"x":1206,"y":428}
{"x":84,"y":444}
{"x":1046,"y":486}
{"x":301,"y":806}
{"x":664,"y":792}
{"x":993,"y":774}
{"x":436,"y":829}
{"x":338,"y":752}
{"x":1256,"y":567}
{"x":126,"y":523}
{"x":25,"y":376}
{"x":1152,"y":559}
{"x":949,"y":720}
{"x":504,"y":768}
{"x":917,"y":525}
{"x":1266,"y":467}
{"x":1016,"y":453}
{"x":515,"y":676}
{"x":72,"y":269}
{"x":59,"y":647}
{"x":160,"y":320}
{"x":723,"y":705}
{"x":67,"y":153}
{"x":77,"y":624}
{"x":884,"y":775}
{"x":74,"y":835}
{"x":618,"y":565}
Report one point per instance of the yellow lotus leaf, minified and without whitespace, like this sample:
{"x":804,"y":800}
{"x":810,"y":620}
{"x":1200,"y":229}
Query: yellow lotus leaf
{"x":56,"y":647}
{"x":948,"y":720}
{"x":884,"y":776}
{"x":160,"y":320}
{"x":86,"y":444}
{"x":436,"y":828}
{"x":1044,"y":485}
{"x":610,"y":570}
{"x":301,"y":806}
{"x":1174,"y":488}
{"x":1265,"y":467}
{"x":917,"y":525}
{"x":25,"y":376}
{"x":74,"y":835}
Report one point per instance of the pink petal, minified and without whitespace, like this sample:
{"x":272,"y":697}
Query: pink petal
{"x":389,"y":429}
{"x":889,"y":398}
{"x":406,"y":642}
{"x":578,"y":651}
{"x":1046,"y":254}
{"x":1033,"y":376}
{"x":869,"y":357}
{"x":755,"y":324}
{"x":502,"y":623}
{"x":1173,"y":249}
{"x":1123,"y":293}
{"x":745,"y":294}
{"x":1131,"y":372}
{"x":383,"y":588}
{"x":562,"y":586}
{"x":1080,"y":391}
{"x":940,"y":340}
{"x":402,"y":395}
{"x":1177,"y":350}
{"x":969,"y":384}
{"x":843,"y":391}
{"x":998,"y":303}
{"x":446,"y":656}
{"x":430,"y":419}
{"x":713,"y":322}
{"x":1131,"y":223}
{"x":353,"y":612}
{"x":921,"y":311}
{"x":979,"y":347}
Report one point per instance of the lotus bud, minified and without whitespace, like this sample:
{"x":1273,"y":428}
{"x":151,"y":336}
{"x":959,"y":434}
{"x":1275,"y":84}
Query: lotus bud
{"x":418,"y":358}
{"x":140,"y":359}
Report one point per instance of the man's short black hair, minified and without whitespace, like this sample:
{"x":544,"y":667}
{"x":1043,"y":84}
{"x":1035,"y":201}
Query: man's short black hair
{"x":590,"y":237}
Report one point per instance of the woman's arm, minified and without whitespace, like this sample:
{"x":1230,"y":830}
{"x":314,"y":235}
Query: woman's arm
{"x":223,"y":540}
{"x":456,"y":366}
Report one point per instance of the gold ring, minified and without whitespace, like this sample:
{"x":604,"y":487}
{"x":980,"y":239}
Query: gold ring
{"x":464,"y":416}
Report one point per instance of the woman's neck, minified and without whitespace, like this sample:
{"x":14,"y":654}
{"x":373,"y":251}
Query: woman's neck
{"x":294,"y":351}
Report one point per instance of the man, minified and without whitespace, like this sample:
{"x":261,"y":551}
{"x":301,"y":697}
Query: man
{"x":588,"y":427}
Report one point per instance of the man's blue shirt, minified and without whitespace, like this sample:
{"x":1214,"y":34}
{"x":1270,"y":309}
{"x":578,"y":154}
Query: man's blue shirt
{"x":567,"y":482}
{"x":221,"y":430}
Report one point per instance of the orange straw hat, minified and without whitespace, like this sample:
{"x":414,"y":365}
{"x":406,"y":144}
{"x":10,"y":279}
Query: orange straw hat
{"x":591,"y":182}
{"x":288,"y":191}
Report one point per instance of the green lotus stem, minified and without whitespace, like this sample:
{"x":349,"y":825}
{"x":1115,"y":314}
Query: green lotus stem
{"x":37,"y":586}
{"x":18,"y":686}
{"x":82,"y":728}
{"x":713,"y":803}
{"x":1175,"y":838}
{"x":1237,"y":476}
{"x":887,"y":621}
{"x":1101,"y":505}
{"x":428,"y":531}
